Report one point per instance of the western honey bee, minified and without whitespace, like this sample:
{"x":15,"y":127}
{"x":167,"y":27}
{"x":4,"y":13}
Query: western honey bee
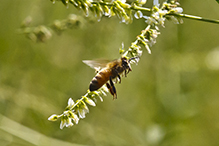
{"x":107,"y":72}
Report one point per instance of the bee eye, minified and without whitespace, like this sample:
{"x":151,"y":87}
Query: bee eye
{"x":125,"y":64}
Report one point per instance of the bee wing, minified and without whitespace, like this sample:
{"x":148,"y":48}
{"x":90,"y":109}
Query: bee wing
{"x":96,"y":64}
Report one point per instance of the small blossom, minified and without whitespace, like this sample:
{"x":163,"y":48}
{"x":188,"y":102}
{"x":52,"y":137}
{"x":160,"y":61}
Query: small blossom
{"x":67,"y":118}
{"x":162,"y":12}
{"x":70,"y":102}
{"x":155,"y":33}
{"x":53,"y":117}
{"x":125,"y":18}
{"x":85,"y":107}
{"x":151,"y":21}
{"x":104,"y":88}
{"x":141,"y":2}
{"x":42,"y":33}
{"x":148,"y":48}
{"x":63,"y":122}
{"x":75,"y":118}
{"x":138,"y":15}
{"x":156,"y":3}
{"x":69,"y":122}
{"x":65,"y":113}
{"x":100,"y":97}
{"x":81,"y":113}
{"x":145,"y":17}
{"x":89,"y":101}
{"x":106,"y":10}
{"x":139,"y":52}
{"x":156,"y":15}
{"x":177,"y":10}
{"x":82,"y":109}
{"x":157,"y":28}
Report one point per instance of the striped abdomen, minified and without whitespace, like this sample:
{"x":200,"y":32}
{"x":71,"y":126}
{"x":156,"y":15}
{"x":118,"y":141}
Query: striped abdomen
{"x":100,"y":79}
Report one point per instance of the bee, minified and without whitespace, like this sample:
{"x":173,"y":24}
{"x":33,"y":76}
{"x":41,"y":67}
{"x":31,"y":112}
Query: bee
{"x":107,"y":72}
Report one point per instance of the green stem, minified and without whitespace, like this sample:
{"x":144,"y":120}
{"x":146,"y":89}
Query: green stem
{"x":135,"y":7}
{"x":196,"y":18}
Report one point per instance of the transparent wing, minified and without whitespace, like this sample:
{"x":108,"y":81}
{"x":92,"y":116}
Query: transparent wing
{"x":96,"y":64}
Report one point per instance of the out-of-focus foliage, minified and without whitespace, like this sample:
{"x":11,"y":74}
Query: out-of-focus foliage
{"x":43,"y":33}
{"x":170,"y":98}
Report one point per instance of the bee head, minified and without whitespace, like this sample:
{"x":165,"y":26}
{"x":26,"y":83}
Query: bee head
{"x":126,"y":64}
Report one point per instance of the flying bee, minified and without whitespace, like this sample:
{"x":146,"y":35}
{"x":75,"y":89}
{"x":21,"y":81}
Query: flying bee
{"x":107,"y":72}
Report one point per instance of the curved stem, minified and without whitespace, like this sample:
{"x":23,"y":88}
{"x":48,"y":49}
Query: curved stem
{"x":196,"y":18}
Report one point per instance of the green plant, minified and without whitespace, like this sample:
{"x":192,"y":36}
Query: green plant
{"x":126,"y":12}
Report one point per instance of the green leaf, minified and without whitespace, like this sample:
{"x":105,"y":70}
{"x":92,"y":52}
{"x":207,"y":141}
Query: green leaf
{"x":217,"y":1}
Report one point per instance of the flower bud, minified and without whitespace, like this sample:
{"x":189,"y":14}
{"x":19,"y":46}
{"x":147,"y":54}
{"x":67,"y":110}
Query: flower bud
{"x":53,"y":117}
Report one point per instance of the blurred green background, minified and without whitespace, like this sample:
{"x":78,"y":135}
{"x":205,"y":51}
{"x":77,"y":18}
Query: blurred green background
{"x":170,"y":98}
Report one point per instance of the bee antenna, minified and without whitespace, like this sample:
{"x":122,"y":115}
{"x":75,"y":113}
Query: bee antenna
{"x":134,"y":58}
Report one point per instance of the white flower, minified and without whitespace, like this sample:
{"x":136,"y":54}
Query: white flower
{"x":75,"y":118}
{"x":150,"y":21}
{"x":67,"y":118}
{"x":162,"y":12}
{"x":138,"y":15}
{"x":141,"y":2}
{"x":156,"y":3}
{"x":70,"y":103}
{"x":148,"y":48}
{"x":81,"y":113}
{"x":156,"y":15}
{"x":69,"y":122}
{"x":161,"y":21}
{"x":63,"y":123}
{"x":53,"y":117}
{"x":89,"y":101}
{"x":178,"y":10}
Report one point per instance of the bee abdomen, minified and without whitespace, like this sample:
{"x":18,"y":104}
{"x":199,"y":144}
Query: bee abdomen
{"x":98,"y":81}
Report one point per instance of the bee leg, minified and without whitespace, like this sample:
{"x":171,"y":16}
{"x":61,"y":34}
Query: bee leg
{"x":112,"y":88}
{"x":126,"y":72}
{"x":119,"y":78}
